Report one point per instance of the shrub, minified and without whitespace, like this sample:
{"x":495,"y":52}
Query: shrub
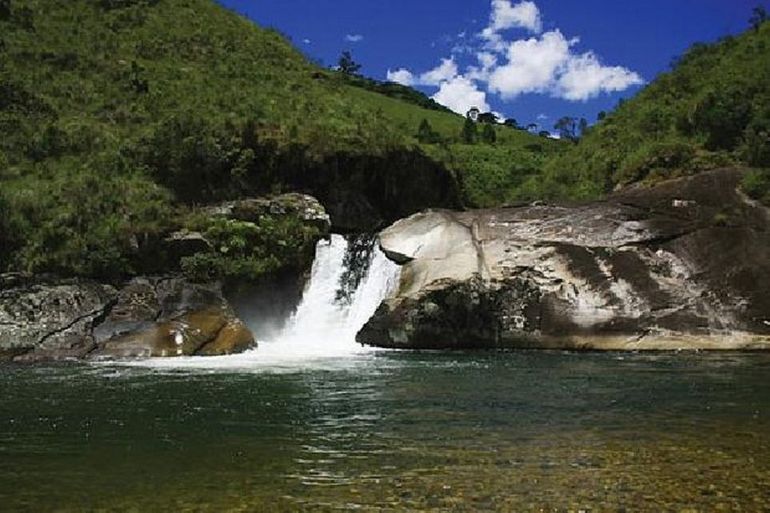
{"x":756,"y":184}
{"x":247,"y":251}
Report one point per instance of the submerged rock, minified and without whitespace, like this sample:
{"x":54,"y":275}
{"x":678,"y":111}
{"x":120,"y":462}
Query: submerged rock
{"x":685,"y":264}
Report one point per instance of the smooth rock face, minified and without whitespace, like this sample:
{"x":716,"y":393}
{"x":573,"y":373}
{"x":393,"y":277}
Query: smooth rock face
{"x":685,"y":264}
{"x":147,"y":317}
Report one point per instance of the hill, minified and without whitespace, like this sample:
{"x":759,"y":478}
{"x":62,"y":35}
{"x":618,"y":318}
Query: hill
{"x":712,"y":109}
{"x":119,"y":116}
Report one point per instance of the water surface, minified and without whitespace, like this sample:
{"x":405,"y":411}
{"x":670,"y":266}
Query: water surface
{"x":384,"y":431}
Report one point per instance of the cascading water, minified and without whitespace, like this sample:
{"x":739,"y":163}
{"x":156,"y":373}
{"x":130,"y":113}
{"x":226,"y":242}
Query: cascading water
{"x":334,"y":307}
{"x":326,"y":324}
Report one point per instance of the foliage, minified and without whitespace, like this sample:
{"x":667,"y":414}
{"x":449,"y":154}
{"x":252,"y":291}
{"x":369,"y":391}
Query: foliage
{"x":116,"y":115}
{"x":758,"y":17}
{"x":756,"y":184}
{"x":571,"y":128}
{"x":488,"y":134}
{"x":244,"y":250}
{"x":469,"y":133}
{"x":347,"y":65}
{"x":397,"y":91}
{"x":426,"y":134}
{"x":710,"y":110}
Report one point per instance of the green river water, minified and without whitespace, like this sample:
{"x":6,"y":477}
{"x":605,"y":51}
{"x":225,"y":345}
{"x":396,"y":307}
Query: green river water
{"x":389,"y":431}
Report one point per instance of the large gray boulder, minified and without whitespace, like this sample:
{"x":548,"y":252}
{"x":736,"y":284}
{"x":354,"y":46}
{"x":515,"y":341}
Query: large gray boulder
{"x":683,"y":265}
{"x":55,"y":319}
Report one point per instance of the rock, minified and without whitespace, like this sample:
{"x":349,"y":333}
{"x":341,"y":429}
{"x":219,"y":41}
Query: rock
{"x":185,"y":244}
{"x":233,"y":338}
{"x":171,"y":317}
{"x":52,"y":319}
{"x":306,"y":208}
{"x":682,"y":265}
{"x":148,"y":317}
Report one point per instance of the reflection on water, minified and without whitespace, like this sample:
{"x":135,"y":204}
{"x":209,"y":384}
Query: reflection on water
{"x":522,"y":431}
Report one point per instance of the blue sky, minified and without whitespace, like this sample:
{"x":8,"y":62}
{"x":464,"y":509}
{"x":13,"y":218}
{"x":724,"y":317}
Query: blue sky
{"x":533,"y":60}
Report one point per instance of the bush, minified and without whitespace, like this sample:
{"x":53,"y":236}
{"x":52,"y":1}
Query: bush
{"x":756,"y":184}
{"x":722,"y":116}
{"x":755,"y":149}
{"x":247,"y":251}
{"x":659,"y":158}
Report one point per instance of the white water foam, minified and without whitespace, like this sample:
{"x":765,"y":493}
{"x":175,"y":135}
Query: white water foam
{"x":322,"y":328}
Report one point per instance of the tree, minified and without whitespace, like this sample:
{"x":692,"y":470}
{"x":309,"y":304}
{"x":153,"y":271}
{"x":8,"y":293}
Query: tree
{"x":759,"y":16}
{"x":601,"y":116}
{"x":426,"y":134}
{"x":532,"y":128}
{"x":347,"y":65}
{"x":488,"y":117}
{"x":511,"y":123}
{"x":469,"y":133}
{"x":571,"y":128}
{"x":567,"y":127}
{"x":488,"y":134}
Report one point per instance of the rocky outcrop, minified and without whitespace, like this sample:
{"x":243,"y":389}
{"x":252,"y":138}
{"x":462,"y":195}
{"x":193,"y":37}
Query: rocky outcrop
{"x":301,"y":206}
{"x":685,"y":264}
{"x":148,"y":317}
{"x":55,"y":319}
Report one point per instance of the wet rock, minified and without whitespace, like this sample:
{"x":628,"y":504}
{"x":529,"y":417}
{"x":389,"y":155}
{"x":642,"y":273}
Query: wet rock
{"x":233,"y":338}
{"x":681,"y":265}
{"x":171,"y":317}
{"x":147,"y":317}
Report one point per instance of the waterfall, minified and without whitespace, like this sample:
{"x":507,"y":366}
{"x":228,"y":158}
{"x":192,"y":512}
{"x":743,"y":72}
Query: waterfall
{"x":326,"y":324}
{"x":347,"y":284}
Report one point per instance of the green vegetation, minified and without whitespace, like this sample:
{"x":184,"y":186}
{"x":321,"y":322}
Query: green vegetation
{"x":118,"y":117}
{"x":248,"y":250}
{"x":756,"y":184}
{"x":711,"y":110}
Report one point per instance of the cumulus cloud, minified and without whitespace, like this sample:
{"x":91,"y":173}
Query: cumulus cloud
{"x":460,"y":94}
{"x":354,"y":38}
{"x":532,"y":65}
{"x":445,"y":71}
{"x":584,"y":77}
{"x":401,"y":76}
{"x":506,"y":16}
{"x":545,"y":63}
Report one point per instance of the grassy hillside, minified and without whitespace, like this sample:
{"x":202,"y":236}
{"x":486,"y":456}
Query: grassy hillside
{"x":117,"y":116}
{"x":712,"y":109}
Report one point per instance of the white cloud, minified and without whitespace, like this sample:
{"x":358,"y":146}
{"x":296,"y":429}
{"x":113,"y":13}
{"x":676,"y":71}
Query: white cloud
{"x":506,"y":16}
{"x":401,"y":76}
{"x":447,"y":70}
{"x":585,"y":77}
{"x":444,"y":72}
{"x":306,"y":41}
{"x":460,"y":94}
{"x":354,"y":38}
{"x":532,"y":65}
{"x":546,"y":63}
